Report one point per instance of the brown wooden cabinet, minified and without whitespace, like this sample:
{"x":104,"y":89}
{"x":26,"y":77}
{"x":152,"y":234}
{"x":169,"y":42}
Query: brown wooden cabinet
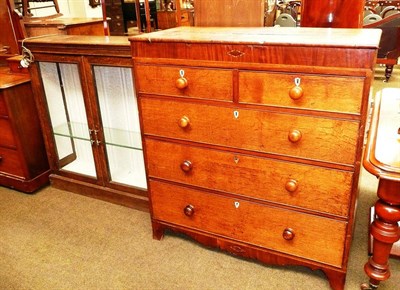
{"x":88,"y":111}
{"x":253,"y":138}
{"x":23,"y":160}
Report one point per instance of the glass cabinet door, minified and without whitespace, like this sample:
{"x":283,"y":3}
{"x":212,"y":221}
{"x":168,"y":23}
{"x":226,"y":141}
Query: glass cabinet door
{"x":120,"y":123}
{"x":68,"y":117}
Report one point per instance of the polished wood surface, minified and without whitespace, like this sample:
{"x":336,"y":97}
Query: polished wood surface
{"x":382,"y":158}
{"x":69,"y":26}
{"x":23,"y":160}
{"x":233,"y":158}
{"x":333,"y":13}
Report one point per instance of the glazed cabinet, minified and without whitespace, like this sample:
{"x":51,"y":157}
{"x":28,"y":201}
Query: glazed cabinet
{"x":253,"y":138}
{"x":89,"y":115}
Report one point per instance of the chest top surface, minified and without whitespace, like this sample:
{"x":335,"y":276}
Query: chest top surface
{"x":361,"y":38}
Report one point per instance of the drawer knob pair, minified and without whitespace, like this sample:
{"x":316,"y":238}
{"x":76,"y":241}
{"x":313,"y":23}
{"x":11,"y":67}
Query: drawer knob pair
{"x":288,"y":234}
{"x":291,"y":185}
{"x":189,"y":210}
{"x":294,"y":136}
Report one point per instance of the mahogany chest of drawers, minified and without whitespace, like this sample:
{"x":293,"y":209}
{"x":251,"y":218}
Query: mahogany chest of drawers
{"x":253,"y":137}
{"x":23,"y":160}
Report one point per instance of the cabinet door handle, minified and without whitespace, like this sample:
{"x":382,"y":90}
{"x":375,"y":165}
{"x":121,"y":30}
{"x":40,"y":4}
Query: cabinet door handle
{"x":1,"y":158}
{"x":181,"y":83}
{"x":189,"y":210}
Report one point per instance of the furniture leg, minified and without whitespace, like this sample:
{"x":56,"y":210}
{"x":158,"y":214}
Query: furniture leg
{"x":388,"y":72}
{"x":385,"y":232}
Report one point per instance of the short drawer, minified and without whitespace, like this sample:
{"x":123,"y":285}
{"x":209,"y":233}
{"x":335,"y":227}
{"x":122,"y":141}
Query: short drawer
{"x":214,"y":84}
{"x":302,"y":235}
{"x":6,"y":133}
{"x":10,"y":162}
{"x":294,"y":184}
{"x":317,"y":138}
{"x":3,"y":109}
{"x":315,"y":92}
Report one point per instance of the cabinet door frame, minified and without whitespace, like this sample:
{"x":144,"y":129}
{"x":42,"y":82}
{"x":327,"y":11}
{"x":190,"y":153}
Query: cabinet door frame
{"x":45,"y":118}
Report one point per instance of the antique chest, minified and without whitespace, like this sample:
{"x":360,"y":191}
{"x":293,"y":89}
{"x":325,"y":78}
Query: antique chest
{"x":253,"y":137}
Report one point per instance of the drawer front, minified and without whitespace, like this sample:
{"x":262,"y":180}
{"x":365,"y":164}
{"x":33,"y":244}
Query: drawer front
{"x":324,"y":93}
{"x":210,"y":84}
{"x":315,"y":138}
{"x":10,"y":163}
{"x":3,"y":109}
{"x":315,"y":188}
{"x":316,"y":238}
{"x":6,"y":133}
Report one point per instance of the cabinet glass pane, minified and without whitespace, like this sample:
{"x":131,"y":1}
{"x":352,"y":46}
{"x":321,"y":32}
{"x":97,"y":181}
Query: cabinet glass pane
{"x":120,"y":120}
{"x":66,"y":108}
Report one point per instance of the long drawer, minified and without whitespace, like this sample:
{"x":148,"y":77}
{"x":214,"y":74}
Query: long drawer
{"x":303,"y":235}
{"x":317,"y":138}
{"x":295,"y":184}
{"x":315,"y":92}
{"x":6,"y":133}
{"x":214,"y":84}
{"x":10,"y":162}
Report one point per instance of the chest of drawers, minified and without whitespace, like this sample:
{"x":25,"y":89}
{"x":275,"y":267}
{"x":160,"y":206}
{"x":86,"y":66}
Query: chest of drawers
{"x":23,"y":160}
{"x":253,"y":137}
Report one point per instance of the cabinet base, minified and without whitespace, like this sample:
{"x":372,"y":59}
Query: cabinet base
{"x":336,"y":277}
{"x":136,"y":200}
{"x":25,"y":185}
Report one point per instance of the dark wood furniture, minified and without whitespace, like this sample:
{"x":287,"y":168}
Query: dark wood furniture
{"x":23,"y":160}
{"x":68,"y":26}
{"x":333,"y":13}
{"x":88,"y":112}
{"x":389,"y":46}
{"x":240,"y":13}
{"x":253,"y":138}
{"x":115,"y":14}
{"x":382,"y":158}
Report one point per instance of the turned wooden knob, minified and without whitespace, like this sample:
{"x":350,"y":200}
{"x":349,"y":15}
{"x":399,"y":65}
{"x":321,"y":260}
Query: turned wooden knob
{"x":291,"y":185}
{"x":186,"y":166}
{"x":189,"y":210}
{"x":288,"y":234}
{"x":184,"y":122}
{"x":181,"y":83}
{"x":294,"y":136}
{"x":296,"y":92}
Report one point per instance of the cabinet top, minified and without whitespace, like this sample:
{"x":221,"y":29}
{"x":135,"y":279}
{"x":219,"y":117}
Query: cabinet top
{"x":336,"y":37}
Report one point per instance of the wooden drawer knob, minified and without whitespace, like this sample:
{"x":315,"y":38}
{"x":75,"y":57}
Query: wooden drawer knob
{"x":184,"y":122}
{"x":189,"y":210}
{"x":291,"y":185}
{"x":181,"y":83}
{"x":294,"y":136}
{"x":296,"y":92}
{"x":288,"y":234}
{"x":186,"y":166}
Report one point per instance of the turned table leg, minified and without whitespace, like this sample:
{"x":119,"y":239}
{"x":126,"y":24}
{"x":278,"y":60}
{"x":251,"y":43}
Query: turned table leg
{"x":385,"y":232}
{"x":388,"y":72}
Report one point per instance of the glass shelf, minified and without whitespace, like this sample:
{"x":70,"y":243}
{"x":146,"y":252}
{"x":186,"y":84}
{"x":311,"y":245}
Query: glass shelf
{"x":115,"y":137}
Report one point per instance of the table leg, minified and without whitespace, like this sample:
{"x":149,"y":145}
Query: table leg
{"x":385,"y":232}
